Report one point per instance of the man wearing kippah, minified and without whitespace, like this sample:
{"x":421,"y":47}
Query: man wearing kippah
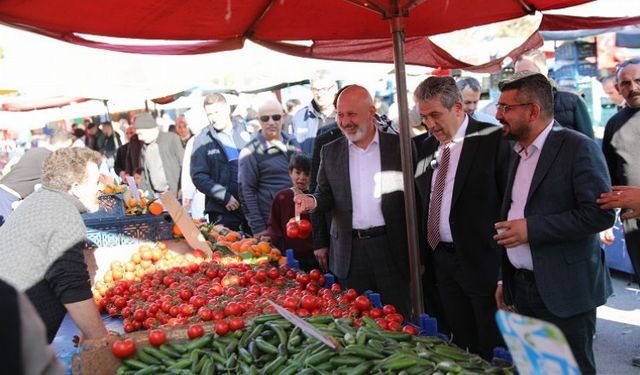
{"x":161,"y":156}
{"x":553,"y":264}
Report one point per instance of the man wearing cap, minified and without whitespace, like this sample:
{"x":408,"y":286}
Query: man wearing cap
{"x":553,"y":264}
{"x":471,"y":91}
{"x":161,"y":156}
{"x":214,"y":163}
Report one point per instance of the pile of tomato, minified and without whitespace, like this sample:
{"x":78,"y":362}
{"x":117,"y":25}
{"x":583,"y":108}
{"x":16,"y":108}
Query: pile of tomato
{"x":227,"y":295}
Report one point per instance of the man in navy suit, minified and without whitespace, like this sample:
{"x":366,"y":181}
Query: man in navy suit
{"x":461,"y":265}
{"x":553,"y":266}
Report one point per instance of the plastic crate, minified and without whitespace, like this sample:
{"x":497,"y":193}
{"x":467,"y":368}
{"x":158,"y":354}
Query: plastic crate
{"x":585,"y":69}
{"x":111,"y":206}
{"x":575,"y":51}
{"x":128,"y":230}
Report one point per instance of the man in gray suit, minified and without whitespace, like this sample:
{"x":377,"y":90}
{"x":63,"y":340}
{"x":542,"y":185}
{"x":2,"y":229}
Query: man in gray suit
{"x":360,"y":182}
{"x":553,"y":267}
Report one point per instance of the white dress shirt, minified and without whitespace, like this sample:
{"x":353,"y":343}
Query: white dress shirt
{"x":366,"y":190}
{"x":454,"y":157}
{"x":520,"y":256}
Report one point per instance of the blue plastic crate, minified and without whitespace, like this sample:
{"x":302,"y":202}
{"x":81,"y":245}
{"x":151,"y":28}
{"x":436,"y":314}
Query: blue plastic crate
{"x":585,"y":69}
{"x":128,"y":230}
{"x":575,"y":51}
{"x":111,"y":206}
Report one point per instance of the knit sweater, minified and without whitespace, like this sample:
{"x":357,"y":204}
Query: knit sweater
{"x":39,"y":231}
{"x":41,"y":247}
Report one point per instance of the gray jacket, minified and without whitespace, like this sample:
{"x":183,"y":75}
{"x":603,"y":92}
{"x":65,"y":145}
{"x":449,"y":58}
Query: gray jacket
{"x":263,"y":171}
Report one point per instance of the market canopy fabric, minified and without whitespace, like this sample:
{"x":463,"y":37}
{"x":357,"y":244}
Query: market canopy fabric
{"x":210,"y":26}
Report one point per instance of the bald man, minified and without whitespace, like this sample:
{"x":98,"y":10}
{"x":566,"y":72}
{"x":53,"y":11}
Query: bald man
{"x":263,"y":168}
{"x":360,"y":184}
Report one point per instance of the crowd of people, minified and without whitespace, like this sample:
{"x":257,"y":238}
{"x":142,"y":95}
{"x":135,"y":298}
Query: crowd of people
{"x":510,"y":207}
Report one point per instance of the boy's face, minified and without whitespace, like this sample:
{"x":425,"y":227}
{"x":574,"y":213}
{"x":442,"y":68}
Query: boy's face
{"x":137,"y":177}
{"x":300,"y":179}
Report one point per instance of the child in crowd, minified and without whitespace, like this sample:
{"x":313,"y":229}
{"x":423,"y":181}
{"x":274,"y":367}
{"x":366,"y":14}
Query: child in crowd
{"x":282,"y":210}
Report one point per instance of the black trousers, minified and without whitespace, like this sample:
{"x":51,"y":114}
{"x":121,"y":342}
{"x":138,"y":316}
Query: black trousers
{"x":373,"y":268}
{"x":469,"y":314}
{"x":578,"y":329}
{"x":632,"y":241}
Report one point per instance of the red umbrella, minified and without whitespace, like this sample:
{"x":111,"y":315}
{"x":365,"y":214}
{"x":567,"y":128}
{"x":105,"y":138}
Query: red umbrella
{"x":219,"y":25}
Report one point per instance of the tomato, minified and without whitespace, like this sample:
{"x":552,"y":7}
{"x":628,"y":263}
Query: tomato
{"x":186,"y":309}
{"x":197,"y":301}
{"x":273,"y":273}
{"x":303,"y":313}
{"x":362,"y":303}
{"x":309,"y":302}
{"x":315,"y":274}
{"x":337,"y":313}
{"x":129,"y":327}
{"x":303,"y":278}
{"x":292,"y":231}
{"x":139,"y":315}
{"x":336,"y":288}
{"x":383,"y":323}
{"x":221,"y":328}
{"x":123,"y":348}
{"x":185,"y":294}
{"x":211,"y":273}
{"x":394,"y":325}
{"x":194,"y":331}
{"x":388,"y":309}
{"x":232,"y":309}
{"x":351,"y":294}
{"x":304,"y":228}
{"x":120,"y":302}
{"x":395,"y":317}
{"x":236,"y":323}
{"x":205,"y":314}
{"x":410,"y":330}
{"x":290,"y":303}
{"x":157,"y":337}
{"x":376,"y":313}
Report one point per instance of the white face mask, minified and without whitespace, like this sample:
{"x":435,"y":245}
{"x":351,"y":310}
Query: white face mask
{"x":148,"y":135}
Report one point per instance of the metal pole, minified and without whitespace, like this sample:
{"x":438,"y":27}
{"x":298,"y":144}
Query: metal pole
{"x":397,"y":29}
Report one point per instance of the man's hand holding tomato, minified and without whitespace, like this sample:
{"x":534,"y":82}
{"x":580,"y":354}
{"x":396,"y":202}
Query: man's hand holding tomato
{"x":304,"y":203}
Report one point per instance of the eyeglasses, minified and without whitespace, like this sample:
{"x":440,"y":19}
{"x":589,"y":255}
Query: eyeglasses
{"x":317,"y":90}
{"x":633,"y":61}
{"x":274,"y":117}
{"x":504,"y":108}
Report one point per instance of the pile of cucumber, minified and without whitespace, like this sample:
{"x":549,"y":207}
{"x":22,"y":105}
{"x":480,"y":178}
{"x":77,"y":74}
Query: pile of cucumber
{"x":272,"y":345}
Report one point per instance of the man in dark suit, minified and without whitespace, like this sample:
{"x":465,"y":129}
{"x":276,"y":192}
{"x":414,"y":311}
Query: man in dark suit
{"x":461,"y":177}
{"x":553,"y":267}
{"x":360,"y":182}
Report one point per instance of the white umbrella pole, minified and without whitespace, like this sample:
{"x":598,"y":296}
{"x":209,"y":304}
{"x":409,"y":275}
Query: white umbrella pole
{"x":397,"y":27}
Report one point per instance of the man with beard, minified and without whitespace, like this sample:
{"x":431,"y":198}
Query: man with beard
{"x":360,"y":182}
{"x":461,"y":174}
{"x":553,"y":265}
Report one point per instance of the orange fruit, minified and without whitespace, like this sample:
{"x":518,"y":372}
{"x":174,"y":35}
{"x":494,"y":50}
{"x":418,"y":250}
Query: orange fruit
{"x":156,"y":208}
{"x":131,"y":203}
{"x":264,"y":247}
{"x":176,"y":230}
{"x":107,"y":189}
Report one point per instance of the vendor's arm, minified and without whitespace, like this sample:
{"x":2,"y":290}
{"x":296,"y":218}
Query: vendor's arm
{"x":87,"y":317}
{"x":201,"y":173}
{"x":69,"y":278}
{"x":627,"y":197}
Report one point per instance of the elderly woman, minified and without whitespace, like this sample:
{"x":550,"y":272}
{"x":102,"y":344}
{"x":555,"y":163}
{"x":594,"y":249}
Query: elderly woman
{"x":42,"y":242}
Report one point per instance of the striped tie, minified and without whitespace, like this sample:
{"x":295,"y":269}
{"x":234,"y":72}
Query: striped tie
{"x":433,"y":221}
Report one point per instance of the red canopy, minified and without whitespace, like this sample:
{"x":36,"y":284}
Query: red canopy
{"x":224,"y":25}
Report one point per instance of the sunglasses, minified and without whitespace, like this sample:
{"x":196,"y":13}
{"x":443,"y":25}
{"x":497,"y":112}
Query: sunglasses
{"x":274,"y":117}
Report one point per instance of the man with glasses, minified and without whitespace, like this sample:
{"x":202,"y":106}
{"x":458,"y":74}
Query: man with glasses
{"x":553,"y":264}
{"x":264,"y":166}
{"x":318,"y":113}
{"x":461,"y":176}
{"x":214,"y":163}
